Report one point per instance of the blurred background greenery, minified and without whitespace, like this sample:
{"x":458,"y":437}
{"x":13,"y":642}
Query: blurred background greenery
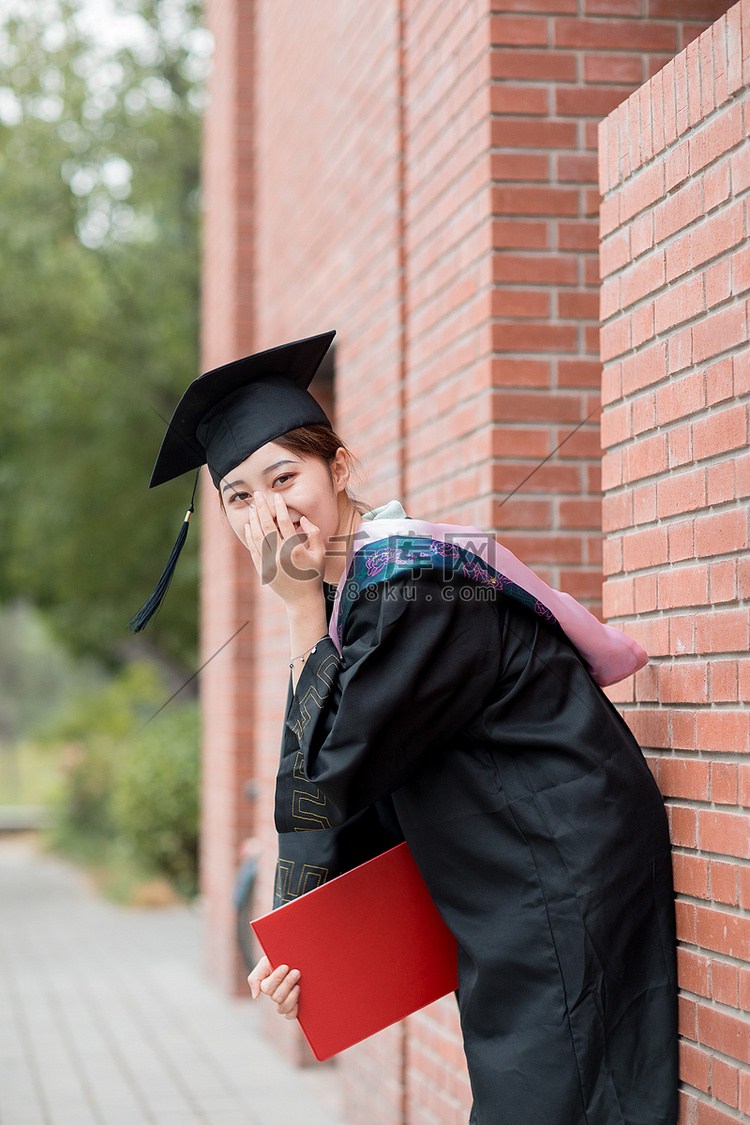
{"x":100,"y":121}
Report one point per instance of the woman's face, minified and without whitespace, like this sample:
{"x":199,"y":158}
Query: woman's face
{"x":308,"y":485}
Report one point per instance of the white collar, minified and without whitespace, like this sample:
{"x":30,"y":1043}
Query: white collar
{"x":393,"y":510}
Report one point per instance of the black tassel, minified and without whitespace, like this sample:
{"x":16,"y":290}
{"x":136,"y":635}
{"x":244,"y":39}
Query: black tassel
{"x":149,"y":608}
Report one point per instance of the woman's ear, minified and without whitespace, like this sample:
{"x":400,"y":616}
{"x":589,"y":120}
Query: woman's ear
{"x":340,"y":470}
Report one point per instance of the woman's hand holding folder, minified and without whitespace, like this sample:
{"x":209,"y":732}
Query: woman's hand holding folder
{"x":280,"y":984}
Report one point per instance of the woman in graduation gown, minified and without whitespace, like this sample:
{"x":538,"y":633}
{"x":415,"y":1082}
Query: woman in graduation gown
{"x":448,"y":705}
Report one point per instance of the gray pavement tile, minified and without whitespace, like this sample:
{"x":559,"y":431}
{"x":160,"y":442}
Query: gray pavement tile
{"x":106,"y":1018}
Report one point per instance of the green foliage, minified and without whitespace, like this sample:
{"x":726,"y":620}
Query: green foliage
{"x":37,"y":673}
{"x":92,"y":734}
{"x":85,"y":795}
{"x":114,"y":710}
{"x":99,"y":292}
{"x":156,"y":805}
{"x":29,"y":774}
{"x":131,"y":778}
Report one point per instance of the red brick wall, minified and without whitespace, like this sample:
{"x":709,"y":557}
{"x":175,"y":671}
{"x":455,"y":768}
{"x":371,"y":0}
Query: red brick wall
{"x":556,"y":68}
{"x":420,"y":175}
{"x":675,"y":173}
{"x":227,"y":589}
{"x":327,"y":224}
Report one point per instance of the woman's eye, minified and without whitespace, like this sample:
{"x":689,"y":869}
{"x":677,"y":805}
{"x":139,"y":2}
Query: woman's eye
{"x":240,"y":497}
{"x":283,"y":478}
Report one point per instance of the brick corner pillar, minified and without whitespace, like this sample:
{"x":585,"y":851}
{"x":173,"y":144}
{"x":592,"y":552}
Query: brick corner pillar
{"x":227,"y":632}
{"x":675,"y":258}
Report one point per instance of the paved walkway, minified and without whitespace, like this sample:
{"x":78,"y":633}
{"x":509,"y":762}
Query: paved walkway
{"x":106,"y":1018}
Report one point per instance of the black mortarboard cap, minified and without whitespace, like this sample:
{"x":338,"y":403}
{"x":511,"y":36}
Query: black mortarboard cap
{"x":228,"y":413}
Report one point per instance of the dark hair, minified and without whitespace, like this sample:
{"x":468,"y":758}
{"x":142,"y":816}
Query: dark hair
{"x":318,"y":440}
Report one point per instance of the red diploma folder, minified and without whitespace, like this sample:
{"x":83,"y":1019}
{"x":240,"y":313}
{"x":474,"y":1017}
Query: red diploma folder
{"x":371,"y":949}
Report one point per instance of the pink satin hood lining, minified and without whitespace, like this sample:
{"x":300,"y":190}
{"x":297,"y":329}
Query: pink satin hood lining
{"x":611,"y":655}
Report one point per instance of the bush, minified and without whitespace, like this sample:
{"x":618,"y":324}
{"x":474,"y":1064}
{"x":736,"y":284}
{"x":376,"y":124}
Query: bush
{"x":83,"y":805}
{"x":90,"y":734}
{"x":129,"y":798}
{"x":155,"y":803}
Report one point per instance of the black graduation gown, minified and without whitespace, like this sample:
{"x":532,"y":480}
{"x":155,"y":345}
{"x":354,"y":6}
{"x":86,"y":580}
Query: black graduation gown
{"x":537,"y":826}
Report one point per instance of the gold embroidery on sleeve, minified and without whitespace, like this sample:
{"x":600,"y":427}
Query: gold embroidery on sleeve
{"x":314,"y":698}
{"x":310,"y":877}
{"x":308,"y":803}
{"x":305,"y":802}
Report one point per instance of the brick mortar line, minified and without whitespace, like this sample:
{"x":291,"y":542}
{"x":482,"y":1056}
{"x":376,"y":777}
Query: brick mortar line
{"x":691,"y":853}
{"x":557,"y":321}
{"x":493,"y":494}
{"x":658,"y":568}
{"x":667,"y":522}
{"x":597,"y":17}
{"x":497,"y":494}
{"x":667,"y":613}
{"x":687,"y":659}
{"x":707,"y":757}
{"x":682,"y":611}
{"x":492,"y":354}
{"x":722,"y":908}
{"x":717,"y":1006}
{"x":693,"y":560}
{"x":720,"y":757}
{"x":530,"y":150}
{"x":708,"y":806}
{"x":558,"y":353}
{"x":545,"y":286}
{"x":510,"y":251}
{"x":478,"y":398}
{"x":720,"y":706}
{"x":741,"y":757}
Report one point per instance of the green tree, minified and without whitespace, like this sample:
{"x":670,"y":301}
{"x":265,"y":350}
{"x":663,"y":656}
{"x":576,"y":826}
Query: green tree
{"x":99,"y":296}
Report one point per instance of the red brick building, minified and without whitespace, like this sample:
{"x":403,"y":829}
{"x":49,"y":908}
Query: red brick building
{"x":422,"y":175}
